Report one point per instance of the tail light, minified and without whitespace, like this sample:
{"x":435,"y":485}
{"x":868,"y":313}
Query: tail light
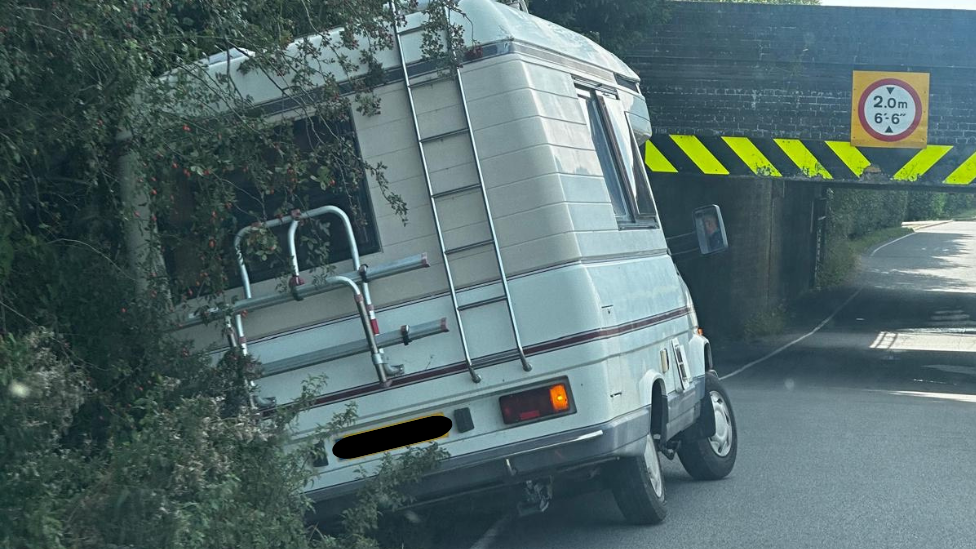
{"x":548,"y":400}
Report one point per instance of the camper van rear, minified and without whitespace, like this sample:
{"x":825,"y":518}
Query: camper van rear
{"x":529,"y":298}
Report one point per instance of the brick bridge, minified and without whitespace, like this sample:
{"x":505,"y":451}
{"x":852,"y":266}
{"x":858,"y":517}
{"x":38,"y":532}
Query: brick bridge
{"x":751,"y":106}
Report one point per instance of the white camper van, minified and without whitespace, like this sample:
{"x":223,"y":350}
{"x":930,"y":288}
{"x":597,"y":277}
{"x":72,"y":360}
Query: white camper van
{"x":529,"y":316}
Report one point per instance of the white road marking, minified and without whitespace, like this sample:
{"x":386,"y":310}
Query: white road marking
{"x":916,"y":230}
{"x":879,"y":248}
{"x":797,"y":340}
{"x":829,"y":318}
{"x":491,"y":534}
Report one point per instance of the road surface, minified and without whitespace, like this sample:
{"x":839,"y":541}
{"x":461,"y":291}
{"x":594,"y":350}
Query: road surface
{"x":862,"y":435}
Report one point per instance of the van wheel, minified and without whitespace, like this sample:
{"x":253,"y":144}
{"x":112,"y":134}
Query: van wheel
{"x":638,"y":486}
{"x":712,"y":458}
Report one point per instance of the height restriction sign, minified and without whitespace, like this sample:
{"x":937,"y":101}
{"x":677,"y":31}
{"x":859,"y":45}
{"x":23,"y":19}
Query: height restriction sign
{"x":890,"y":109}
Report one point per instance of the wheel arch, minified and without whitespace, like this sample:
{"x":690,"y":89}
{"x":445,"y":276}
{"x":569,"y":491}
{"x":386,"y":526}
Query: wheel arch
{"x":654,"y":396}
{"x":659,"y":409}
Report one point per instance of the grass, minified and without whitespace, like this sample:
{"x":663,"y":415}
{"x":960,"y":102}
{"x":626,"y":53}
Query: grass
{"x":868,"y":241}
{"x":842,"y":255}
{"x":764,"y":323}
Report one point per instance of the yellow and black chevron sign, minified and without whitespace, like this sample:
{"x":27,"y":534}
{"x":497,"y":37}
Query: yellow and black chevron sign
{"x":814,"y":160}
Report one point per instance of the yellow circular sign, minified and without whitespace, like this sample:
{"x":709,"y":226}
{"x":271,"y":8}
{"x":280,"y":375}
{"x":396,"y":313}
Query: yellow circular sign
{"x":890,"y":109}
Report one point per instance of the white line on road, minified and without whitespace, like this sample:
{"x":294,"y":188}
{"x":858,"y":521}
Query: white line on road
{"x":829,"y":318}
{"x":876,"y":250}
{"x":797,"y":340}
{"x":915,"y":231}
{"x":488,"y":538}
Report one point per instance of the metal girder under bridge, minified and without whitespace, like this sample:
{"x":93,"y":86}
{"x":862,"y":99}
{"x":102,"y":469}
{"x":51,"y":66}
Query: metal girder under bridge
{"x":835,"y":163}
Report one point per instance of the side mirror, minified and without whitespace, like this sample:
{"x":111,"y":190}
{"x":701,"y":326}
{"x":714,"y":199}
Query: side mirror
{"x":710,"y":230}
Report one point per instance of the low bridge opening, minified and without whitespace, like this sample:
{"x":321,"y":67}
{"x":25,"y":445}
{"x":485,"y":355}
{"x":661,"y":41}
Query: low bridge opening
{"x":755,"y":108}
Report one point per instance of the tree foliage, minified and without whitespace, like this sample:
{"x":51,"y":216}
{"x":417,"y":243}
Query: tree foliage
{"x":115,"y":433}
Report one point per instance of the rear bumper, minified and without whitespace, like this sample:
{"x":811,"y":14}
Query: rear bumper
{"x":514,"y":463}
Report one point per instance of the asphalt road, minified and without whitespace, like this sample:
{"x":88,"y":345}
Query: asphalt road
{"x":862,"y":435}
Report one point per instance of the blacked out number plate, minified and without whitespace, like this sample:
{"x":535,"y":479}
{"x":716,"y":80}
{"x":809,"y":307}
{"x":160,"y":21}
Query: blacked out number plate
{"x":391,"y":437}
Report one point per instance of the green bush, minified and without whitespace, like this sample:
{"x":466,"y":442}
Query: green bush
{"x":960,"y":204}
{"x":855,"y":214}
{"x":763,"y":323}
{"x":923,"y":206}
{"x":115,"y":434}
{"x":174,"y":467}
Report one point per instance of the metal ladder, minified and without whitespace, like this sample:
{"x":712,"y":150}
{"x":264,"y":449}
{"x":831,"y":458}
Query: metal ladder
{"x":478,"y":187}
{"x":356,"y":282}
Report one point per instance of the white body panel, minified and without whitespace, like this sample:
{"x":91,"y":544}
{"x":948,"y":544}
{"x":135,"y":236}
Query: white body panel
{"x":595,"y":303}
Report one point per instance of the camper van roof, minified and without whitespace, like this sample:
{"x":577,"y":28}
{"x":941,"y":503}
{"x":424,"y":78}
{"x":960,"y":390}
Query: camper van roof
{"x":482,"y":21}
{"x":490,"y":21}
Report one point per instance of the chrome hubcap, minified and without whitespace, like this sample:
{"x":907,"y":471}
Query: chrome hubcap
{"x":653,"y":467}
{"x":724,"y":435}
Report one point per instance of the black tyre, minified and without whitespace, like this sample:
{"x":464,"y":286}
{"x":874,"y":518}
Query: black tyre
{"x":638,"y":486}
{"x":713,"y":457}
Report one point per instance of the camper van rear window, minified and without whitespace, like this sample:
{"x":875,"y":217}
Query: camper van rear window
{"x":339,"y":183}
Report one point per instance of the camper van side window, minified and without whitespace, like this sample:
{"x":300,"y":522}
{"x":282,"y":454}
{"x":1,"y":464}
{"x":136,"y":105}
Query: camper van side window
{"x":609,"y":163}
{"x":631,"y":160}
{"x":646,"y":208}
{"x":345,"y":188}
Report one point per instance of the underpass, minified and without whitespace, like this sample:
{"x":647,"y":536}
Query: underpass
{"x":762,"y":108}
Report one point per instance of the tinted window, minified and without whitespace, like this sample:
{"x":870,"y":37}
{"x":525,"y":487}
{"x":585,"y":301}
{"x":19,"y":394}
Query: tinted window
{"x":347,"y":188}
{"x":612,"y":173}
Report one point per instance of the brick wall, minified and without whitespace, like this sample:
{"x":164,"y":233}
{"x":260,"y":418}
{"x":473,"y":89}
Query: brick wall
{"x":771,"y":247}
{"x":762,"y":70}
{"x":785,"y":71}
